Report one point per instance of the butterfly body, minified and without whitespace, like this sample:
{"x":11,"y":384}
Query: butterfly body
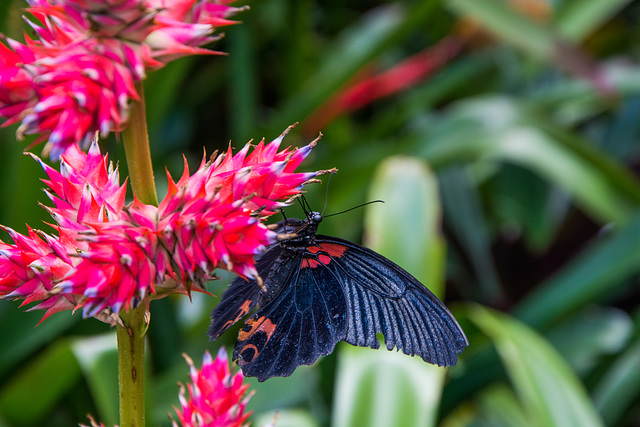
{"x":318,"y":290}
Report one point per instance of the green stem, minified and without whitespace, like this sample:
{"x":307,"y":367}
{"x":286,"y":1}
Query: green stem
{"x":136,"y":148}
{"x":135,"y":321}
{"x":131,"y":365}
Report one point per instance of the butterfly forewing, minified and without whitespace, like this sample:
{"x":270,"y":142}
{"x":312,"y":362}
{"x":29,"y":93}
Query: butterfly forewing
{"x":382,"y":297}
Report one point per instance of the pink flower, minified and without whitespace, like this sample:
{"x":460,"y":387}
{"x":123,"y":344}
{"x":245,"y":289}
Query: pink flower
{"x":76,"y":78}
{"x":216,"y":396}
{"x":85,"y":190}
{"x":78,"y":96}
{"x":109,"y":256}
{"x":30,"y":267}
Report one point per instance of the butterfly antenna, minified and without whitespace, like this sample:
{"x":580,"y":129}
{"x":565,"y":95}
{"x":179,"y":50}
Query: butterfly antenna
{"x":305,"y":205}
{"x":355,"y":207}
{"x":326,"y":195}
{"x":284,"y":217}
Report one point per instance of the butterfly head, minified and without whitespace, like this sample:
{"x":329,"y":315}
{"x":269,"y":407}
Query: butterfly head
{"x":309,"y":227}
{"x":315,"y":217}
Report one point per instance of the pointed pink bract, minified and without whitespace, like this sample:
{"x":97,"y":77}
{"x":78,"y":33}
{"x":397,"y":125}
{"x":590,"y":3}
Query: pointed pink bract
{"x":108,"y":256}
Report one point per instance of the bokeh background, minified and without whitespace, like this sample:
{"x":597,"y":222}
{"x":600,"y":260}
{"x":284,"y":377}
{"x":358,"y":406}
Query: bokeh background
{"x":504,"y":138}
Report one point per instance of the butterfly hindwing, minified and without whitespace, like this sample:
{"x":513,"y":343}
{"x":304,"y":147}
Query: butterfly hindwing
{"x":383,"y":298}
{"x":303,"y":322}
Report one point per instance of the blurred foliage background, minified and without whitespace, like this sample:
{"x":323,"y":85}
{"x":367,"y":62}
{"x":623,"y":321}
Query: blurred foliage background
{"x":503,"y":136}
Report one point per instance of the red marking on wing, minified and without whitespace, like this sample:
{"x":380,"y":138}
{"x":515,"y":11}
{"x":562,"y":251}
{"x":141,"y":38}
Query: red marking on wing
{"x":325,"y":251}
{"x":261,"y":324}
{"x":325,"y":259}
{"x":332,"y":249}
{"x":309,"y":263}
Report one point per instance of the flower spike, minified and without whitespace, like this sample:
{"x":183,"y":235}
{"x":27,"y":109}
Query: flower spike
{"x":108,"y":257}
{"x":216,"y":396}
{"x":77,"y":76}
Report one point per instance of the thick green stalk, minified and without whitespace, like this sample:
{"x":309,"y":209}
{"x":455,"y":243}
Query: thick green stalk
{"x":135,"y":322}
{"x":131,"y":366}
{"x":136,"y":148}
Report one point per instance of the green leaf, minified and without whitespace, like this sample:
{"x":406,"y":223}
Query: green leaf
{"x":496,"y":406}
{"x":511,"y":26}
{"x":534,"y":38}
{"x":378,"y":388}
{"x":592,"y":275}
{"x":499,"y":129}
{"x":619,"y":388}
{"x":577,"y":19}
{"x":98,"y":359}
{"x":354,"y":48}
{"x":591,"y":334}
{"x":406,"y":228}
{"x":24,"y":337}
{"x":464,"y":212}
{"x":500,"y":407}
{"x":285,"y":418}
{"x":550,"y":392}
{"x":30,"y":394}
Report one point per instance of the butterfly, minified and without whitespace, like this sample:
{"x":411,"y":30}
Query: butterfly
{"x":315,"y":290}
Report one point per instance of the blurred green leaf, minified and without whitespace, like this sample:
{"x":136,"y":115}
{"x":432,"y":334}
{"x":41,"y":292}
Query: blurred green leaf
{"x":591,"y":334}
{"x":277,"y":393}
{"x":619,"y":388}
{"x":524,"y":203}
{"x":591,"y":276}
{"x":499,"y":130}
{"x":242,"y":64}
{"x":577,"y":19}
{"x":496,"y":406}
{"x":33,"y":391}
{"x":550,"y":392}
{"x":98,"y":359}
{"x":24,"y":337}
{"x":500,"y":407}
{"x":377,"y":30}
{"x":406,"y":228}
{"x":286,"y":418}
{"x":464,"y":212}
{"x":378,"y":388}
{"x":500,"y":18}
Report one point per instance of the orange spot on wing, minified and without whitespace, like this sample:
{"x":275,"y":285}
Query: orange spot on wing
{"x":250,"y":347}
{"x":261,"y":324}
{"x":244,"y":309}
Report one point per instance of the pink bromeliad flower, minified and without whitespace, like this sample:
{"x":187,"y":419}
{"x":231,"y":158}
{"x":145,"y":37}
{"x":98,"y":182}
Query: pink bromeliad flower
{"x":108,"y":256}
{"x":217,"y":397}
{"x":76,"y":77}
{"x":85,"y":190}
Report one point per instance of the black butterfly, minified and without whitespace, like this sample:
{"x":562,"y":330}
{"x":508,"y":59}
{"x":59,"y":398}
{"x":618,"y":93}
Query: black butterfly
{"x":319,"y":290}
